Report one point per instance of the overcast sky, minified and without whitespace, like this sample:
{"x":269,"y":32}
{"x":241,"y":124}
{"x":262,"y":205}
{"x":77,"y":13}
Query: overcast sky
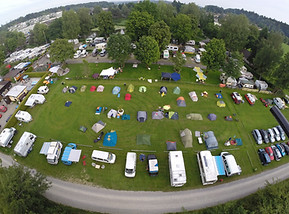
{"x":277,"y":9}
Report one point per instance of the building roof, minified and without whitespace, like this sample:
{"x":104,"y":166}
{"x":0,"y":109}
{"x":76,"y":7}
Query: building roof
{"x":16,"y":91}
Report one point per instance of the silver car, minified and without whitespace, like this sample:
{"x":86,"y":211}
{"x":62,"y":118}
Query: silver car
{"x":271,"y":135}
{"x":257,"y":135}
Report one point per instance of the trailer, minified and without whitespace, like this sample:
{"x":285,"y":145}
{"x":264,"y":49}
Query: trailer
{"x":25,"y":144}
{"x":35,"y":99}
{"x":6,"y":136}
{"x":23,"y":116}
{"x":177,"y":169}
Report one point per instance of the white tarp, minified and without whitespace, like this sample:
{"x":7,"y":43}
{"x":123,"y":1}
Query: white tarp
{"x":54,"y":69}
{"x":108,"y":72}
{"x":74,"y":155}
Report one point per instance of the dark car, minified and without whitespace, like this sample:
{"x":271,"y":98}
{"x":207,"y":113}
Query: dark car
{"x":264,"y":135}
{"x":264,"y":157}
{"x":153,"y":165}
{"x":276,"y":152}
{"x":281,"y":149}
{"x":286,"y":148}
{"x":270,"y":152}
{"x":94,"y":52}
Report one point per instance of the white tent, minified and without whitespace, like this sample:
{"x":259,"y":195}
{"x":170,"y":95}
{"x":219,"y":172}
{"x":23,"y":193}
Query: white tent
{"x":97,"y":127}
{"x":54,"y":69}
{"x":74,"y":155}
{"x":112,"y":113}
{"x":108,"y":72}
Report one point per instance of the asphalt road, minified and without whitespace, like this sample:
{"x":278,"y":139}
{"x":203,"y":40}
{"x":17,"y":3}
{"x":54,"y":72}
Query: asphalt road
{"x":115,"y":201}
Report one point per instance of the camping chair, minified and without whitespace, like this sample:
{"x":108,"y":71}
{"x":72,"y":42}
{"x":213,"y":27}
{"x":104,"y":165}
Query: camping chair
{"x":84,"y":163}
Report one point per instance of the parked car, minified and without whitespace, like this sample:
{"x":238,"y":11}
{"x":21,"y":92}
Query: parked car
{"x":256,"y":134}
{"x":276,"y":152}
{"x":279,"y":102}
{"x":276,"y":134}
{"x":3,"y":108}
{"x":271,"y":135}
{"x":153,"y":166}
{"x":264,"y":135}
{"x":286,"y":147}
{"x":94,"y":52}
{"x":102,"y":53}
{"x":237,"y":98}
{"x":270,"y":152}
{"x":264,"y":157}
{"x":281,"y":149}
{"x":250,"y":98}
{"x":282,"y":133}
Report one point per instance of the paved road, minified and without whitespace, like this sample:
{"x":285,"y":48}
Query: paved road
{"x":114,"y":201}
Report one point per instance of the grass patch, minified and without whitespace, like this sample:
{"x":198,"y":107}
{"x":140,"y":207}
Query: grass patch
{"x":285,"y":48}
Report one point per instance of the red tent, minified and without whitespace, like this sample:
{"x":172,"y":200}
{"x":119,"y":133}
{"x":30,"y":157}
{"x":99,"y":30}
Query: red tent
{"x":8,"y":66}
{"x":92,"y":88}
{"x":127,"y":97}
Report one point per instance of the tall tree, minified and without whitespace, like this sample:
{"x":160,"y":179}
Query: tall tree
{"x":61,"y":50}
{"x":96,"y":10}
{"x":215,"y":54}
{"x":105,"y":23}
{"x":14,"y":40}
{"x":149,"y":7}
{"x":85,"y":21}
{"x":54,"y":30}
{"x":193,"y":11}
{"x":138,"y":25}
{"x":20,"y":192}
{"x":147,"y":50}
{"x":233,"y":65}
{"x":2,"y":54}
{"x":39,"y":32}
{"x":207,"y":25}
{"x":166,"y":12}
{"x":70,"y":24}
{"x":235,"y":31}
{"x":282,"y":73}
{"x":119,"y":48}
{"x":182,"y":28}
{"x":178,"y":61}
{"x":160,"y":31}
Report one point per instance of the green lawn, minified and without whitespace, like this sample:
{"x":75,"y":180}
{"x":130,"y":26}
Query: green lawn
{"x":54,"y":121}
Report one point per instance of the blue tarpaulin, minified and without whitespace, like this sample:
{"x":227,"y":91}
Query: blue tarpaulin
{"x":220,"y":165}
{"x":110,"y":139}
{"x":176,"y":76}
{"x":68,"y":103}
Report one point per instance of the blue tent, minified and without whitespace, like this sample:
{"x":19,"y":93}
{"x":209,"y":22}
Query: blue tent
{"x":219,"y":95}
{"x":176,"y":76}
{"x":166,"y":76}
{"x":68,"y":103}
{"x":110,"y":139}
{"x":115,"y":90}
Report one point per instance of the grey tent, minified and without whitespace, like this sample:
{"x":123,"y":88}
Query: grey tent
{"x":181,"y":102}
{"x":187,"y":139}
{"x":157,"y":115}
{"x":164,"y":90}
{"x":141,"y":116}
{"x":177,"y":90}
{"x":172,"y":115}
{"x":171,"y":146}
{"x":210,"y":140}
{"x":194,"y":116}
{"x":212,"y":117}
{"x":82,"y":128}
{"x":97,"y":127}
{"x":72,"y":89}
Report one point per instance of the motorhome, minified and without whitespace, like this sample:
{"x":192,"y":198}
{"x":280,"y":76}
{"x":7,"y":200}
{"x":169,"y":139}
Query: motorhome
{"x":6,"y":136}
{"x":53,"y":152}
{"x":166,"y":54}
{"x":101,"y":46}
{"x":35,"y":99}
{"x":198,"y":58}
{"x":177,"y":169}
{"x":23,"y":116}
{"x":98,"y":40}
{"x":43,"y":90}
{"x":230,"y":164}
{"x":208,"y":167}
{"x":130,"y":165}
{"x":25,"y":144}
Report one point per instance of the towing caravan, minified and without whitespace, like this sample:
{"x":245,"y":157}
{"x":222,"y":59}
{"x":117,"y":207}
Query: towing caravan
{"x":208,"y":167}
{"x":6,"y":136}
{"x":177,"y":169}
{"x":230,"y":164}
{"x":25,"y":144}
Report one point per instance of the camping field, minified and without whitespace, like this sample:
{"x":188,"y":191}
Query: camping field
{"x":54,"y":121}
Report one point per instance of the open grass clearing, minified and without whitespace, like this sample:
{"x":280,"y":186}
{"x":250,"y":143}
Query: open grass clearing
{"x":55,"y":121}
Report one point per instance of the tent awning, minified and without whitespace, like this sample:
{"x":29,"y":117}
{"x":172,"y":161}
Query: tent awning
{"x":108,"y":72}
{"x":44,"y":148}
{"x":220,"y":165}
{"x":74,"y":155}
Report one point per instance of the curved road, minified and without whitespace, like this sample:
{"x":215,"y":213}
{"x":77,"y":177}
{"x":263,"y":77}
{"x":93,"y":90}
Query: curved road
{"x":116,"y":201}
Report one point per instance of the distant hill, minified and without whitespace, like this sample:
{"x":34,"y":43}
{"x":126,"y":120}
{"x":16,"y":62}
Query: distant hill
{"x":261,"y":21}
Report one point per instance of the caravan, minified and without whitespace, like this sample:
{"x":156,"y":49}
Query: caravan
{"x":25,"y":144}
{"x":177,"y":169}
{"x":6,"y":136}
{"x":43,"y":90}
{"x":23,"y":116}
{"x":35,"y":99}
{"x":230,"y":164}
{"x":208,"y":167}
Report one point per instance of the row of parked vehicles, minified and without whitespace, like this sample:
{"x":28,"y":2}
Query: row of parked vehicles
{"x":270,"y":135}
{"x":273,"y":152}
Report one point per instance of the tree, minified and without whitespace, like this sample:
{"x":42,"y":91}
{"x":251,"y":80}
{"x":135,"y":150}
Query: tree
{"x":182,"y":28}
{"x":149,"y":7}
{"x":233,"y":65}
{"x":85,"y":21}
{"x":160,"y":31}
{"x":282,"y":73}
{"x":14,"y":40}
{"x":20,"y":191}
{"x":70,"y":24}
{"x":54,"y":30}
{"x":96,"y":11}
{"x":105,"y":23}
{"x":235,"y":31}
{"x":2,"y":54}
{"x":119,"y":48}
{"x":215,"y":54}
{"x":138,"y":25}
{"x":61,"y":50}
{"x":207,"y":25}
{"x":178,"y":61}
{"x":147,"y":50}
{"x":193,"y":11}
{"x":38,"y":36}
{"x":166,"y":12}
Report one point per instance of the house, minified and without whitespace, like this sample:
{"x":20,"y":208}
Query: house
{"x":5,"y":86}
{"x":231,"y":82}
{"x":261,"y":85}
{"x":17,"y":93}
{"x":245,"y":83}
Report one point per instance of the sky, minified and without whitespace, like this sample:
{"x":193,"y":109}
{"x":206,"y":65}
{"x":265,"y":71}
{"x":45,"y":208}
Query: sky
{"x":278,"y":9}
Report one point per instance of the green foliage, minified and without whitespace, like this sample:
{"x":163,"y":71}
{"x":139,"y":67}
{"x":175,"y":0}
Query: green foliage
{"x":182,"y":28}
{"x":233,"y":65}
{"x":193,"y":11}
{"x":215,"y":54}
{"x":13,"y":40}
{"x":119,"y":48}
{"x":105,"y":24}
{"x":61,"y":50}
{"x":281,"y":74}
{"x":234,"y":31}
{"x":178,"y":61}
{"x":38,"y":36}
{"x":149,"y":7}
{"x":54,"y":30}
{"x":147,"y":50}
{"x":166,"y":12}
{"x":85,"y":21}
{"x":2,"y":54}
{"x":70,"y":24}
{"x":20,"y":191}
{"x":138,"y":25}
{"x":160,"y":31}
{"x":207,"y":25}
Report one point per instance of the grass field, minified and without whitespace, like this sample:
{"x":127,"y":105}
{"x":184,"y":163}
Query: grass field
{"x":54,"y":121}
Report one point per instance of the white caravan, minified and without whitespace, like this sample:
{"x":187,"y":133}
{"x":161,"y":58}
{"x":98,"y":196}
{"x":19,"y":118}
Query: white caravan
{"x":23,"y":116}
{"x":43,"y":90}
{"x":35,"y":99}
{"x":25,"y":144}
{"x":52,"y":150}
{"x":177,"y":169}
{"x":6,"y":136}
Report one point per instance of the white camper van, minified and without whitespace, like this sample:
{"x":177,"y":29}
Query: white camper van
{"x":35,"y":99}
{"x":166,"y":54}
{"x":102,"y":156}
{"x":177,"y":169}
{"x":54,"y":152}
{"x":6,"y":136}
{"x":43,"y":90}
{"x":25,"y":144}
{"x":101,"y":46}
{"x":23,"y":116}
{"x":130,"y":165}
{"x":230,"y":164}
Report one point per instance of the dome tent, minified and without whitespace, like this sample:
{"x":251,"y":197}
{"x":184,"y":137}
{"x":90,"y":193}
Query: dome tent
{"x":186,"y":137}
{"x":116,"y":90}
{"x":177,"y":90}
{"x":212,"y":117}
{"x":130,"y":88}
{"x":142,"y":89}
{"x":181,"y":102}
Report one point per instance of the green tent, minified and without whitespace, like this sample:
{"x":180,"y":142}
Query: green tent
{"x":177,"y":90}
{"x":193,"y":116}
{"x":187,"y":139}
{"x":130,"y":88}
{"x":143,"y":139}
{"x":142,"y":89}
{"x":82,"y":128}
